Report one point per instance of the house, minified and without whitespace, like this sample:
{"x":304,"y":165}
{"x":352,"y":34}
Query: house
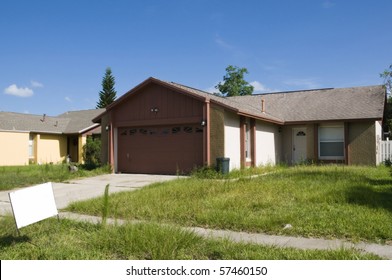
{"x":26,"y":138}
{"x":164,"y":127}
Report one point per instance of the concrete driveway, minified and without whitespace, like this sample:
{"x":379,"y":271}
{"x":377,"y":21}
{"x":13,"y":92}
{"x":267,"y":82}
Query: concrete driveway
{"x":82,"y":189}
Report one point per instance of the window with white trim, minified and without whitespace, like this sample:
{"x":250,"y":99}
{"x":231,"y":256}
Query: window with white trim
{"x":31,"y":146}
{"x":331,"y":142}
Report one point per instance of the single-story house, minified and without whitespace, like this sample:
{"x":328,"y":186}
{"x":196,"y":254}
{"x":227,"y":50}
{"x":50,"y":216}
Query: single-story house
{"x":26,"y":138}
{"x":165,"y":127}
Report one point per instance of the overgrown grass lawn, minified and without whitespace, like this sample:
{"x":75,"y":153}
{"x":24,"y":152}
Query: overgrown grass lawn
{"x":65,"y":239}
{"x":21,"y":176}
{"x":352,"y":203}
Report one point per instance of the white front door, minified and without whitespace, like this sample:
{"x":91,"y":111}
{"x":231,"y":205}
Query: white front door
{"x":299,"y":145}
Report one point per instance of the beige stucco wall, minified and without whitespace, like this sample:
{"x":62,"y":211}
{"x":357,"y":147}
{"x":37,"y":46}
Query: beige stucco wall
{"x":362,"y":143}
{"x":51,"y":148}
{"x":268,"y":144}
{"x":287,"y":136}
{"x":232,"y":139}
{"x":14,"y":148}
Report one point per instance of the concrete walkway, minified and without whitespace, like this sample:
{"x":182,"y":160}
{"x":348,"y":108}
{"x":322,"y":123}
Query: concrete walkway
{"x":384,"y":251}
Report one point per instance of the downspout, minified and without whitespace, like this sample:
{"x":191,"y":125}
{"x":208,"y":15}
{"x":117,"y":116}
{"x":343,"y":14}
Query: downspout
{"x":242,"y":142}
{"x":253,"y":141}
{"x":316,"y":144}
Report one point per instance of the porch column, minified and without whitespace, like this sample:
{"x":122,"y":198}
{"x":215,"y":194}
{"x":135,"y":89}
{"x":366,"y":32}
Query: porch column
{"x":253,"y":141}
{"x":242,"y":141}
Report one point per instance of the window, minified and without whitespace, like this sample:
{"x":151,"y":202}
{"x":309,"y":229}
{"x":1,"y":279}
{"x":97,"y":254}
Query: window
{"x":31,"y":146}
{"x":331,"y":142}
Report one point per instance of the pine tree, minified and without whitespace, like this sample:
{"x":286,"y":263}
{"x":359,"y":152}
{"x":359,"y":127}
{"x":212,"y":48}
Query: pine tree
{"x":108,"y":94}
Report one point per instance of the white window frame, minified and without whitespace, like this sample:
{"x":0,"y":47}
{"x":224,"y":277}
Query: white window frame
{"x":331,"y":140}
{"x":31,"y":147}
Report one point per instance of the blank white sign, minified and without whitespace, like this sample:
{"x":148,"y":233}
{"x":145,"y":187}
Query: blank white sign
{"x":33,"y":204}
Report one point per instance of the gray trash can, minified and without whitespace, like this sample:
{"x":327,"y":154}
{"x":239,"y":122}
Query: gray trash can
{"x":223,"y":165}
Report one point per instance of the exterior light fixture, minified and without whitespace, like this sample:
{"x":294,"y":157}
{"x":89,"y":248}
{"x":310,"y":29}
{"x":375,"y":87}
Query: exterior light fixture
{"x":203,"y":123}
{"x":107,"y":127}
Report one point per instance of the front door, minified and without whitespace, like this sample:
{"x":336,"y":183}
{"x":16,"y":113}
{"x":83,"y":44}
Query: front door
{"x":299,"y":145}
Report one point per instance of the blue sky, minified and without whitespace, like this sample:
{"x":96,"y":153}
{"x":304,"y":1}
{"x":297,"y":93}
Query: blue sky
{"x":54,"y":53}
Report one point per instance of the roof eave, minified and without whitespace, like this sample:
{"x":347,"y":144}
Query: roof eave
{"x":332,"y":120}
{"x":261,"y":118}
{"x":87,"y":129}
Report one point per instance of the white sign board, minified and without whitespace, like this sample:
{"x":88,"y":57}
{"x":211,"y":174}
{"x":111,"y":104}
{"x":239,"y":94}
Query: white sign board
{"x":33,"y":204}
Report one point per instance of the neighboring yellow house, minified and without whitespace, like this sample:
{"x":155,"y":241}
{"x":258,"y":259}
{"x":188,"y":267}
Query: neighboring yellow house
{"x":26,"y":138}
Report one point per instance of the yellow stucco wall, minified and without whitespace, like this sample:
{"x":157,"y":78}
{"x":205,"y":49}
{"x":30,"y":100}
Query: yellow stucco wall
{"x":51,"y":148}
{"x":14,"y":148}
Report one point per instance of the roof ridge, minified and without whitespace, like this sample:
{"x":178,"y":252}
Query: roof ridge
{"x":316,"y":89}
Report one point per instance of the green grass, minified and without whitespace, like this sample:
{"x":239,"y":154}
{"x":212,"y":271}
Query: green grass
{"x":353,"y":203}
{"x":12,"y":177}
{"x":65,"y":239}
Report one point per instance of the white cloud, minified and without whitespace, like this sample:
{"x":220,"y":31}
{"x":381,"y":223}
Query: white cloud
{"x":211,"y":89}
{"x":20,"y":92}
{"x":36,"y":84}
{"x":259,"y":87}
{"x":68,"y":99}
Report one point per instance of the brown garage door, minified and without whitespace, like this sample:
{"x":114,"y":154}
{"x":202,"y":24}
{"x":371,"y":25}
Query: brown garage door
{"x":160,"y":150}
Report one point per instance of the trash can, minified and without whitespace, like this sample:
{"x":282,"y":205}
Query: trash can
{"x":223,"y":165}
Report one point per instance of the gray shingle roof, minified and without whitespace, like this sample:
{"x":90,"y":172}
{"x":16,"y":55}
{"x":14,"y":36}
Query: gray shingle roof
{"x":68,"y":123}
{"x":80,"y":120}
{"x":322,"y":105}
{"x":309,"y":105}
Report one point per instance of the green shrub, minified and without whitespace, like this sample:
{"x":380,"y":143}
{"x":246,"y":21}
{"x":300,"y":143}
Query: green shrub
{"x":92,"y":153}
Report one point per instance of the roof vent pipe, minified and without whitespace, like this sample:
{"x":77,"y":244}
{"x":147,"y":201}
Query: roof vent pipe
{"x":262,"y":105}
{"x":43,"y":118}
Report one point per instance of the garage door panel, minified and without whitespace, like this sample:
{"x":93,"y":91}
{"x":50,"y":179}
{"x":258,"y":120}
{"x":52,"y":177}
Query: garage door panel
{"x":164,"y":150}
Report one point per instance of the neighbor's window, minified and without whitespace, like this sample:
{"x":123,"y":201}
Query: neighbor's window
{"x":31,"y":146}
{"x":331,"y":142}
